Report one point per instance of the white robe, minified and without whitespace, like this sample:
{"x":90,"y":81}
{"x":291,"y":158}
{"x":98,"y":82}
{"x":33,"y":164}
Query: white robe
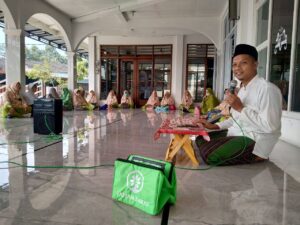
{"x":260,"y":118}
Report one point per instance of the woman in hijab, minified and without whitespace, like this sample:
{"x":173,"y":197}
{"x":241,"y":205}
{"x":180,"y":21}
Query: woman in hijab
{"x":209,"y":102}
{"x":53,"y":93}
{"x":29,"y":96}
{"x":153,"y":101}
{"x":92,"y":98}
{"x":169,"y":101}
{"x":126,"y":100}
{"x":67,"y":99}
{"x":111,"y":100}
{"x":79,"y":102}
{"x":13,"y":105}
{"x":187,"y":102}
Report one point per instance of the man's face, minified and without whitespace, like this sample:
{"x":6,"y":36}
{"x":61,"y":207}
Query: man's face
{"x":244,"y":67}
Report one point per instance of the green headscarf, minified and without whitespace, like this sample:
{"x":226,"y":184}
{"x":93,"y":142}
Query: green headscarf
{"x":67,"y":99}
{"x":210,"y":101}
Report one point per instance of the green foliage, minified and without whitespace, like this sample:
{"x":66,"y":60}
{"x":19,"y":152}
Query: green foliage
{"x":49,"y":53}
{"x":44,"y":73}
{"x":40,"y":71}
{"x":82,"y":68}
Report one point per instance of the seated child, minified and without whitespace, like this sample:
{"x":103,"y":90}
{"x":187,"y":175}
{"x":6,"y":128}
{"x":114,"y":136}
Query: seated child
{"x":169,"y":101}
{"x":67,"y":99}
{"x":111,"y":100}
{"x":79,"y":101}
{"x":53,"y":93}
{"x":210,"y":101}
{"x":187,"y":102}
{"x":153,"y":101}
{"x":126,"y":101}
{"x":92,"y":98}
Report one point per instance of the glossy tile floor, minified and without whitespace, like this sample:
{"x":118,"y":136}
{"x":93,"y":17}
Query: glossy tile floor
{"x":260,"y":194}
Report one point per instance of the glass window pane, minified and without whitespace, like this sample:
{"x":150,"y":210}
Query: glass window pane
{"x":262,"y":23}
{"x":145,"y":79}
{"x":144,"y":50}
{"x":127,"y":50}
{"x":108,"y":76}
{"x":107,"y":50}
{"x":162,"y":49}
{"x":162,"y":76}
{"x":126,"y":76}
{"x":262,"y":59}
{"x":282,"y":23}
{"x":196,"y":78}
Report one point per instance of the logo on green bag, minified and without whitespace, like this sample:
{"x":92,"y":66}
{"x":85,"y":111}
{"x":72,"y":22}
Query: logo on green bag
{"x":135,"y":181}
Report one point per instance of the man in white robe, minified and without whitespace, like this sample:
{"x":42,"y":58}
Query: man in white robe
{"x":255,"y":115}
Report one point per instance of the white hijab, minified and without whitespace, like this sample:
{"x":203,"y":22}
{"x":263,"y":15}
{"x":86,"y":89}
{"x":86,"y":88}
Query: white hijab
{"x":29,"y":96}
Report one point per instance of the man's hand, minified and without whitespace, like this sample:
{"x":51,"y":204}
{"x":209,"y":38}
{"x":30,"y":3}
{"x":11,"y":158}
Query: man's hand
{"x":209,"y":125}
{"x":235,"y":102}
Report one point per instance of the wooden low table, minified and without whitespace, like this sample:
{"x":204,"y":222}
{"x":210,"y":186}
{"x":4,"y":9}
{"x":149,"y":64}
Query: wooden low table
{"x":181,"y":139}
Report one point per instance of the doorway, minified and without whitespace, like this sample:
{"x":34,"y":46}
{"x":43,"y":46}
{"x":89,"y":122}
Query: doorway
{"x":137,"y":69}
{"x":136,"y":76}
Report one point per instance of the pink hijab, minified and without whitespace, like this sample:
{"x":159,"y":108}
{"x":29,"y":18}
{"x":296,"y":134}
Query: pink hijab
{"x":187,"y":99}
{"x":167,"y":99}
{"x":111,"y":98}
{"x":78,"y":100}
{"x":126,"y":98}
{"x":92,"y":98}
{"x":153,"y":99}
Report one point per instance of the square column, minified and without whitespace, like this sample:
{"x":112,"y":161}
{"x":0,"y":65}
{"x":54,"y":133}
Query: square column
{"x":92,"y":65}
{"x":72,"y":70}
{"x":15,"y":56}
{"x":177,"y":69}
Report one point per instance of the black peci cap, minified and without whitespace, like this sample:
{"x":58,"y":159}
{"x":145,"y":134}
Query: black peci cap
{"x":245,"y":49}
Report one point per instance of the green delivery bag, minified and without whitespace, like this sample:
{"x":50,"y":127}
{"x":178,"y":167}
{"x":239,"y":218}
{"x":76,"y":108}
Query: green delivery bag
{"x":144,"y":183}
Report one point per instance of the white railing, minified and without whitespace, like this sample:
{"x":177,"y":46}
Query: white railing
{"x":2,"y":86}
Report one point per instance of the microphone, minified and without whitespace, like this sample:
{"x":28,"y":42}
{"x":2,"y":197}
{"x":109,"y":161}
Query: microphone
{"x":232,"y":86}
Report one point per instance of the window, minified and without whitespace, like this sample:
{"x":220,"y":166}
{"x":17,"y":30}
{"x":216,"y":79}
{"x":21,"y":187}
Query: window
{"x":281,"y":30}
{"x":162,"y":76}
{"x":108,"y":76}
{"x":262,"y":38}
{"x":200,"y":63}
{"x":262,"y":23}
{"x":262,"y":62}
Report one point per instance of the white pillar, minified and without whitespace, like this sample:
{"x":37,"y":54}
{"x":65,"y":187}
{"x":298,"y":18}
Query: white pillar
{"x":92,"y":64}
{"x":177,"y":69}
{"x":245,"y":25}
{"x":15,"y":56}
{"x":72,"y":70}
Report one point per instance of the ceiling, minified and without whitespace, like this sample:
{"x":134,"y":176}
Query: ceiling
{"x":144,"y":8}
{"x":128,"y":17}
{"x":139,"y":17}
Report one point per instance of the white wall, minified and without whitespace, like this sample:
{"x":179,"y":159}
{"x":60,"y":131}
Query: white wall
{"x":291,"y":127}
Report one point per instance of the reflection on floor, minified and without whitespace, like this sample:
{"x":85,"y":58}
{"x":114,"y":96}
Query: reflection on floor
{"x":261,"y":193}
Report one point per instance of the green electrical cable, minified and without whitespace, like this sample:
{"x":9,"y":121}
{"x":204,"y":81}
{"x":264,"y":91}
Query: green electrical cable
{"x":56,"y":167}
